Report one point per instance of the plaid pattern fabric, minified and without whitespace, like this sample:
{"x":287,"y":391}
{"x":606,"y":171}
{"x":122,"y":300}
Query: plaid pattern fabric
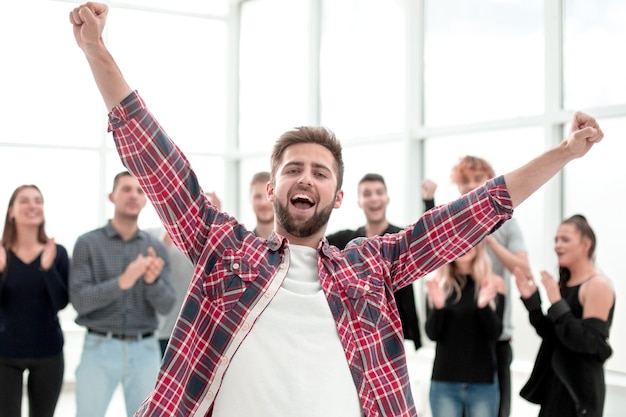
{"x":237,"y":274}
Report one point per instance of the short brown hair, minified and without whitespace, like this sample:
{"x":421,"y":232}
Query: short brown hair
{"x":371,"y":177}
{"x":260,"y":177}
{"x":469,"y":164}
{"x":309,"y":134}
{"x":119,"y":175}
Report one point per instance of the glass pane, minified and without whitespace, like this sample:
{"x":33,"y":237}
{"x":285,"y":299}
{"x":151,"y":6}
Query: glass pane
{"x":379,"y":158}
{"x":68,"y":181}
{"x":274,"y":70}
{"x":483,"y":60}
{"x":593,"y":188}
{"x":363,"y":67}
{"x":218,"y":7}
{"x":593,"y":66}
{"x":48,"y":94}
{"x":180,"y":70}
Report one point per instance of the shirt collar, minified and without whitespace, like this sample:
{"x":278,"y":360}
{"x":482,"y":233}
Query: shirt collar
{"x":111,"y":232}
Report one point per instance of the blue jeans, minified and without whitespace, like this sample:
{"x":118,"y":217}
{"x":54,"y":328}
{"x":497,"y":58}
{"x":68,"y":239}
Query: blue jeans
{"x":105,"y":362}
{"x":456,"y":399}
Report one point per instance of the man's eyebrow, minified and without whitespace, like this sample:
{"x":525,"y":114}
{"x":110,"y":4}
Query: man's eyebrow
{"x":317,"y":165}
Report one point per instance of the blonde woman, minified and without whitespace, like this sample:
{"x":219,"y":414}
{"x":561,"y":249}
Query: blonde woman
{"x":464,"y":317}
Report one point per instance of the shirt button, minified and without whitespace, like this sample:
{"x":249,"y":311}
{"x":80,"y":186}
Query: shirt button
{"x":366,"y":287}
{"x":209,"y":394}
{"x":268,"y":294}
{"x":235,"y":266}
{"x":283,"y":265}
{"x":245,"y":326}
{"x":224,"y":359}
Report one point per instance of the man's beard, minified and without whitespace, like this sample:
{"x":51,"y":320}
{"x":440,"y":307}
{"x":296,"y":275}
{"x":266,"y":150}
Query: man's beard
{"x":305,"y":229}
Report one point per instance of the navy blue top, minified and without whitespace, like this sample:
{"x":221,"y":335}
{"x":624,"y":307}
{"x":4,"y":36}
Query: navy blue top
{"x":29,"y":301}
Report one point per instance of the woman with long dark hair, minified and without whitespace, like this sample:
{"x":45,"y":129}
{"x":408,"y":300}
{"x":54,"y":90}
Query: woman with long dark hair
{"x":568,"y":376}
{"x":33,"y":288}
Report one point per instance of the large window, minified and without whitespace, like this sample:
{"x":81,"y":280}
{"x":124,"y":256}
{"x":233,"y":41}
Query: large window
{"x":484,"y":60}
{"x":409,"y":86}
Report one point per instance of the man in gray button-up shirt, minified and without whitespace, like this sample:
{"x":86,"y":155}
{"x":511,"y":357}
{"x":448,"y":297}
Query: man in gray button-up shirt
{"x":119,"y":281}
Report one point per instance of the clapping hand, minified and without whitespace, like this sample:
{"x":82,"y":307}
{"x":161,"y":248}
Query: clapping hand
{"x":154,"y":267}
{"x":49,"y":254}
{"x":3,"y":257}
{"x":525,"y":283}
{"x":551,"y":286}
{"x":487,"y":293}
{"x":435,"y":293}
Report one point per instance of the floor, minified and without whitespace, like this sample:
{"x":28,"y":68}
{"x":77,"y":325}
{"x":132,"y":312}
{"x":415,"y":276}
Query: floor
{"x":66,"y":407}
{"x":419,"y":369}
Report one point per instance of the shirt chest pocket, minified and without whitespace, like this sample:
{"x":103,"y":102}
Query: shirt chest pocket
{"x":228,"y":280}
{"x":368,"y":305}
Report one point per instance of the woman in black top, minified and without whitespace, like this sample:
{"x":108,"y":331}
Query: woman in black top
{"x":464,"y":316}
{"x":33,"y":288}
{"x":568,"y":376}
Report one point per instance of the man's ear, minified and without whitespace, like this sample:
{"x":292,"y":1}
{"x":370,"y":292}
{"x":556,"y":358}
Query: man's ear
{"x":111,"y":197}
{"x":269,"y":191}
{"x":338,"y":199}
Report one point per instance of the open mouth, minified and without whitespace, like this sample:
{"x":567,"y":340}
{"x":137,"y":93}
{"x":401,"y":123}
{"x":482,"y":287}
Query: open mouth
{"x":302,"y":201}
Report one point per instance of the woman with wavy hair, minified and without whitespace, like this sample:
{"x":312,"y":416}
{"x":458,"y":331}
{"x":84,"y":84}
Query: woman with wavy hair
{"x":464,"y":317}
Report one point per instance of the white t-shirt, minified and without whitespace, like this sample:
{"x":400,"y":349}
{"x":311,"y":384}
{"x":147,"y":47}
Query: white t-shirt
{"x":292,"y":363}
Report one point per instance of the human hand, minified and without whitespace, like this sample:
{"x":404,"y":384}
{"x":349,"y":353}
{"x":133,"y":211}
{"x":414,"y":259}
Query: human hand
{"x":428,"y":189}
{"x":435,"y":293}
{"x":487,"y":293}
{"x":584,"y":133}
{"x":135,"y":270}
{"x":490,"y":241}
{"x":88,"y":22}
{"x":3,"y":257}
{"x":214,"y":199}
{"x":154,"y":267}
{"x":551,"y":286}
{"x":525,"y":282}
{"x":48,"y":255}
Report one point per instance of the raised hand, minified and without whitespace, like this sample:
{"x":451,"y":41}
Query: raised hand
{"x":3,"y":257}
{"x":435,"y":293}
{"x":214,"y":199}
{"x":154,"y":267}
{"x":135,"y":270}
{"x":428,"y":189}
{"x":551,"y":286}
{"x":487,"y":293}
{"x":525,"y":283}
{"x":584,"y":133}
{"x":49,"y":254}
{"x":88,"y":21}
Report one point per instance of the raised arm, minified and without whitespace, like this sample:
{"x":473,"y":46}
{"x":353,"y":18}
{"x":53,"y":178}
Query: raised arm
{"x":89,"y":20}
{"x":524,"y":181}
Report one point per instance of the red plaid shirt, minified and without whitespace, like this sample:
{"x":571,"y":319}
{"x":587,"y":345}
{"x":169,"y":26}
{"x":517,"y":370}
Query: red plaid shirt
{"x":237,"y":274}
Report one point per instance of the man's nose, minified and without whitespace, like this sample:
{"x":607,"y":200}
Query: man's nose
{"x":306,"y":178}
